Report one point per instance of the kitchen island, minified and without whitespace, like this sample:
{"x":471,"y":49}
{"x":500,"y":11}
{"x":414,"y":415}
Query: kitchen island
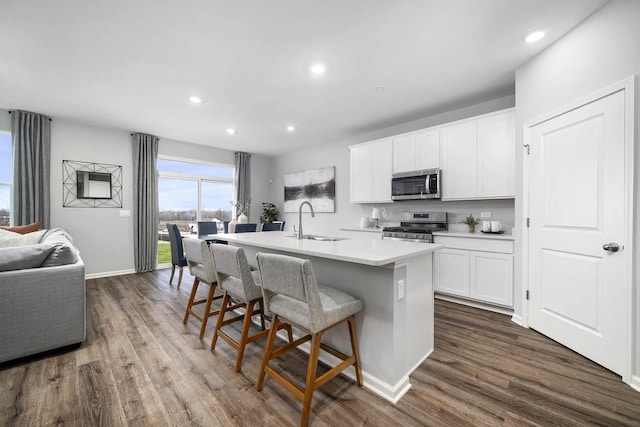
{"x":395,"y":281}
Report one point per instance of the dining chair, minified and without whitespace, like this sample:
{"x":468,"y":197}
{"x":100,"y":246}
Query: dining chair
{"x":246,"y":228}
{"x":292,"y":295}
{"x":273,"y":226}
{"x":207,"y":227}
{"x":202,"y":268}
{"x":178,"y":258}
{"x":241,"y":287}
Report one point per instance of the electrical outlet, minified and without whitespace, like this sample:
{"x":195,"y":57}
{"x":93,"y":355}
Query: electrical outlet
{"x":485,"y":215}
{"x":400,"y":289}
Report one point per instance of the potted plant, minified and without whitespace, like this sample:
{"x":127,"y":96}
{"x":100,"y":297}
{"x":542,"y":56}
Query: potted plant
{"x":471,"y":222}
{"x":270,"y":212}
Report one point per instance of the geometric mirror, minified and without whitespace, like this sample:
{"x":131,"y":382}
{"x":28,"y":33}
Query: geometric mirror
{"x":91,"y":185}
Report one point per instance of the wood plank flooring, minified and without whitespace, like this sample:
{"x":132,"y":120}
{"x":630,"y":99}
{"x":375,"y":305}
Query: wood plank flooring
{"x":141,"y":367}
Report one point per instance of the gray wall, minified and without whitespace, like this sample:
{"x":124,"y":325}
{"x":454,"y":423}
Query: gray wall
{"x":347,"y":214}
{"x":103,"y":237}
{"x":601,"y":51}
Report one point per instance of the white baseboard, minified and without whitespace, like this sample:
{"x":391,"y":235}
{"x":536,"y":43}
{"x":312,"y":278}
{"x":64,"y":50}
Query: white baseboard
{"x":109,"y":274}
{"x":517,"y":319}
{"x":635,"y":382}
{"x":476,"y":304}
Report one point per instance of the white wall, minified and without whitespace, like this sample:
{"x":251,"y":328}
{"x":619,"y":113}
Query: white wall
{"x":347,"y":214}
{"x":601,"y":51}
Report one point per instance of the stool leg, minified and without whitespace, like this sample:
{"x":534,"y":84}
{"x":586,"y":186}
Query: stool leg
{"x":194,"y":288}
{"x":180,"y":277}
{"x":311,"y":378}
{"x":223,"y":310}
{"x":267,"y":350}
{"x":245,"y":333}
{"x":354,"y":348}
{"x":205,"y":315}
{"x":173,"y":270}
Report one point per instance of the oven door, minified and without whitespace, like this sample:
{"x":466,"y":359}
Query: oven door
{"x":416,"y":185}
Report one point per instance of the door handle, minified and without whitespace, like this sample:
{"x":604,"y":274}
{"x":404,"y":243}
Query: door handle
{"x":611,"y":247}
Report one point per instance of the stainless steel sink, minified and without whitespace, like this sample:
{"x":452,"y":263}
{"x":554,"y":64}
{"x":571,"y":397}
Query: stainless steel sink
{"x":320,"y":238}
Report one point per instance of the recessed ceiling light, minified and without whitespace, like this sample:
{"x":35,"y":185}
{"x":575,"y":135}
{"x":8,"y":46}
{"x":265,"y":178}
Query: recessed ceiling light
{"x":195,"y":99}
{"x":291,"y":128}
{"x":318,"y":68}
{"x":380,"y":89}
{"x":231,"y":131}
{"x":534,"y":36}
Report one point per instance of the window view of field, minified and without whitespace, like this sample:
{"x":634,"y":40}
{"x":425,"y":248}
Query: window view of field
{"x":188,"y":193}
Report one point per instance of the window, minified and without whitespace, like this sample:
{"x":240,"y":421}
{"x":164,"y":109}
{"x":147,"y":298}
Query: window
{"x":6,"y":177}
{"x":191,"y":192}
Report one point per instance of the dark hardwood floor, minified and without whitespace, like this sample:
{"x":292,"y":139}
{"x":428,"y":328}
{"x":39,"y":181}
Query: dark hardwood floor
{"x":141,"y":367}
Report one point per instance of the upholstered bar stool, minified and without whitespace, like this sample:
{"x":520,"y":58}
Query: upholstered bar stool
{"x":241,"y":290}
{"x":202,"y":268}
{"x":292,"y":295}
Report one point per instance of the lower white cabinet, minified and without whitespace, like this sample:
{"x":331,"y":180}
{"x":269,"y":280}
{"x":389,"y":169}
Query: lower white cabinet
{"x":478,"y":269}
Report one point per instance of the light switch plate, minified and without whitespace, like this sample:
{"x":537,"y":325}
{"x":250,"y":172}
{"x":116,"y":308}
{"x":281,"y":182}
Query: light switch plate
{"x":485,"y":215}
{"x":400,"y":289}
{"x":125,"y":213}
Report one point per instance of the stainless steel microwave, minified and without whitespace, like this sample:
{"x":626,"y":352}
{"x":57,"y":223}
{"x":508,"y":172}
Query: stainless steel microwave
{"x":418,"y":185}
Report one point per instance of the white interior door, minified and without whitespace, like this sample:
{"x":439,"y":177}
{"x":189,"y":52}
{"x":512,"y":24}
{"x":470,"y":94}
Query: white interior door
{"x":578,"y":294}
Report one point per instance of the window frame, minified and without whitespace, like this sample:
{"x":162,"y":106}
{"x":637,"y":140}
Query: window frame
{"x":8,"y":184}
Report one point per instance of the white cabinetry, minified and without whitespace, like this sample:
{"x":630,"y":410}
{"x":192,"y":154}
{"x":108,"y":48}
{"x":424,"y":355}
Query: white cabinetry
{"x":478,"y":158}
{"x":475,"y":268}
{"x":416,"y":151}
{"x":371,"y":172}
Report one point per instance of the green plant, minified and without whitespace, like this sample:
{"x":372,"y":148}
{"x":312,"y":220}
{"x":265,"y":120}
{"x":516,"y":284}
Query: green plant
{"x":270,"y":212}
{"x":470,"y":221}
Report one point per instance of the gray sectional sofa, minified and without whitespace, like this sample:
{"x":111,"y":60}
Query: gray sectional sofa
{"x":42,"y":293}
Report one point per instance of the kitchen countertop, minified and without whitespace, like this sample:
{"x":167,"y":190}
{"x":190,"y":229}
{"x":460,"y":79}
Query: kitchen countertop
{"x":366,"y":229}
{"x":476,"y":235}
{"x":375,"y":252}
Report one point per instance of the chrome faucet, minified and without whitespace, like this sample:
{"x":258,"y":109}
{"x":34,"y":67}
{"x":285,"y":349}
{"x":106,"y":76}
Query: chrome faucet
{"x":300,"y":235}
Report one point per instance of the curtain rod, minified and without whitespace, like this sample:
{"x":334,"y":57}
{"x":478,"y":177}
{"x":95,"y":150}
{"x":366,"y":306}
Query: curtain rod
{"x":50,"y":119}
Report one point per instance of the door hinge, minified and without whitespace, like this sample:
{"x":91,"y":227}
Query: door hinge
{"x":527,"y":295}
{"x":527,"y":221}
{"x":528,"y":148}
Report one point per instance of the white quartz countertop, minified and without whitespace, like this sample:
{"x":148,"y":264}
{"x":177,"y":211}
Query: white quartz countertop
{"x":374,"y":252}
{"x":476,"y":235}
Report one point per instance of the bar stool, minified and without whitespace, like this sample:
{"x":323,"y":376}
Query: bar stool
{"x":292,"y":295}
{"x":241,"y":288}
{"x":201,"y":266}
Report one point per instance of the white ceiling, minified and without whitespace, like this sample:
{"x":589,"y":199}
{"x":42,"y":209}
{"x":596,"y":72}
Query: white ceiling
{"x":132,"y":64}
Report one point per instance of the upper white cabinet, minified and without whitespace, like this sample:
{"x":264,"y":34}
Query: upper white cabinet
{"x":478,"y":158}
{"x":416,"y":151}
{"x":371,"y":172}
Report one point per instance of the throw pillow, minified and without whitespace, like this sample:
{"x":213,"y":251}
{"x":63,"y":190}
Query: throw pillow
{"x":24,"y":229}
{"x":24,"y":257}
{"x":23,"y":239}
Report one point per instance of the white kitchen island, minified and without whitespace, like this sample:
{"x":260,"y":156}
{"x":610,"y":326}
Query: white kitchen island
{"x":395,"y":281}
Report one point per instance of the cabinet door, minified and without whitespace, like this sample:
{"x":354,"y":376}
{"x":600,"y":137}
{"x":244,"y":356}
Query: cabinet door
{"x":496,"y":156}
{"x":360,"y":174}
{"x":404,"y":153}
{"x":427,"y":153}
{"x":492,"y":278}
{"x":452,"y":272}
{"x":381,"y":167}
{"x":459,"y":168}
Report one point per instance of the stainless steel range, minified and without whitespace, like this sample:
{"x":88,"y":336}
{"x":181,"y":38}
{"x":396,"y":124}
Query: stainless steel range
{"x":418,"y":228}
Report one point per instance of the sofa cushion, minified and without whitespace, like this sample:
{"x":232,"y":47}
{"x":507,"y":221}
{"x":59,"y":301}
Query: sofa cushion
{"x":24,"y":229}
{"x":6,"y":234}
{"x":22,"y":239}
{"x":23,"y":257}
{"x":64,"y":252}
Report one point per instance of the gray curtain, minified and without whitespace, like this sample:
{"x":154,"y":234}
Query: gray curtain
{"x":145,"y":201}
{"x":31,"y":134}
{"x":243,"y":177}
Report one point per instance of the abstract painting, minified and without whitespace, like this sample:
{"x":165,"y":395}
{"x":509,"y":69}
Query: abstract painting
{"x":317,"y":186}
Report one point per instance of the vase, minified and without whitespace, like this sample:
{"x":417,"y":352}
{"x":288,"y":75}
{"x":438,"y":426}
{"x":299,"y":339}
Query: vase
{"x":243,"y":219}
{"x":232,"y":225}
{"x":472,"y":229}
